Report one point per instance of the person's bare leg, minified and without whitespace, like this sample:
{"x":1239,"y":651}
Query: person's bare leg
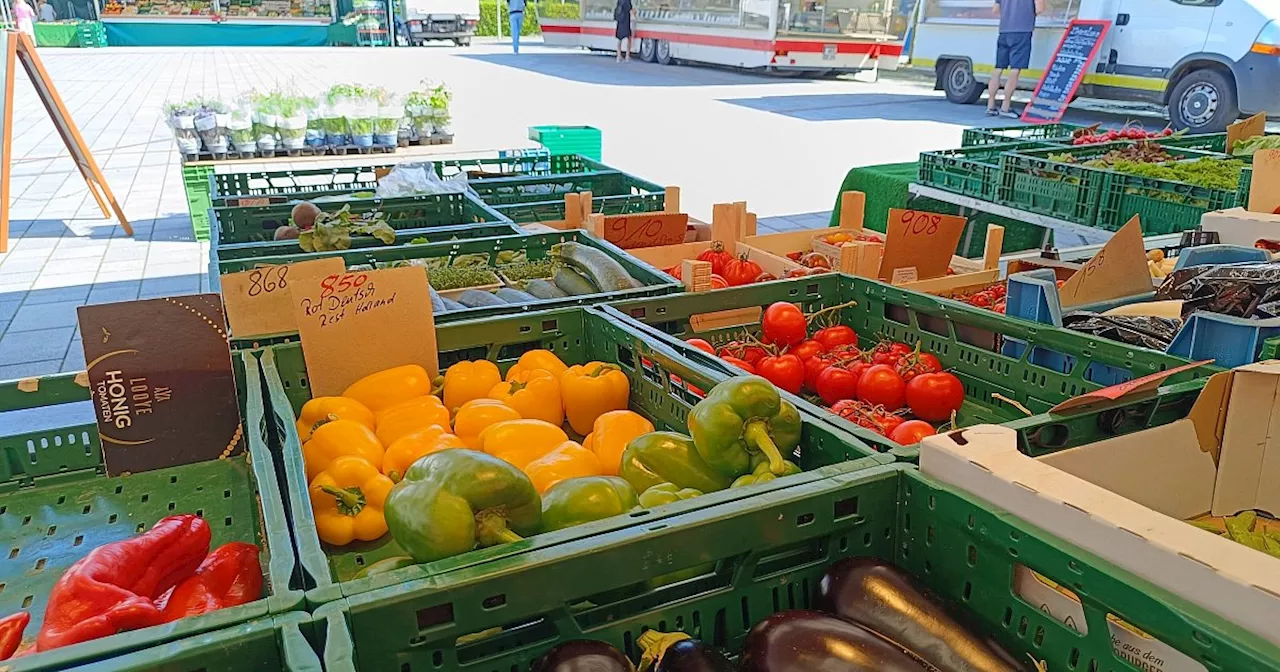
{"x":618,"y":51}
{"x":993,"y":87}
{"x":628,"y":48}
{"x":1010,"y":86}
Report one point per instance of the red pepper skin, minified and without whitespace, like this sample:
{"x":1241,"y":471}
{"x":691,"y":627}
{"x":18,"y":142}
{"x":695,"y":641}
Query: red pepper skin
{"x":114,"y":587}
{"x":11,"y":628}
{"x":230,"y":576}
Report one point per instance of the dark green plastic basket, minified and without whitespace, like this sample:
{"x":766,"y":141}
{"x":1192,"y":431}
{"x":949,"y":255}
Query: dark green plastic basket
{"x":1163,"y":206}
{"x":715,"y":572}
{"x":541,"y":199}
{"x":270,"y":644}
{"x":967,"y":340}
{"x":974,"y":137}
{"x":971,"y":171}
{"x":663,"y":388}
{"x":59,"y":505}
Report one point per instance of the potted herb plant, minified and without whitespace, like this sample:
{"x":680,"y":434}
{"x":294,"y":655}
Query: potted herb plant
{"x":292,"y":122}
{"x":182,"y":119}
{"x":439,"y":99}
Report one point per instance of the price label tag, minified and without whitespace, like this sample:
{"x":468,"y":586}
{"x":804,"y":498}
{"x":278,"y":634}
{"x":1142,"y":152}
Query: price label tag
{"x":724,"y":319}
{"x":258,"y":301}
{"x":1119,"y":269}
{"x":253,"y":202}
{"x":352,"y":324}
{"x":904,"y":275}
{"x":645,"y":230}
{"x":921,"y":240}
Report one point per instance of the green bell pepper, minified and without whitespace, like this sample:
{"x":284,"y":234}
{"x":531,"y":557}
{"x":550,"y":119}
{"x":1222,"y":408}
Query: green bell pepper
{"x":454,"y":500}
{"x":668,"y":457}
{"x":666,"y":493}
{"x":762,"y":474}
{"x":575,"y":501}
{"x":740,"y":418}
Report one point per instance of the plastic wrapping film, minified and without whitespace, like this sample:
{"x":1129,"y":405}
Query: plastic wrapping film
{"x":1145,"y":331}
{"x":1238,"y":290}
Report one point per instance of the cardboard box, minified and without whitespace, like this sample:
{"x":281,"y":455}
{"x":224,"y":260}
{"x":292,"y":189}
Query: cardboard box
{"x":1126,"y":498}
{"x":1238,"y":226}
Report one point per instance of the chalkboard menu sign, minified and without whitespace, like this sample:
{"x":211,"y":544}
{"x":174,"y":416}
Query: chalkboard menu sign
{"x":1080,"y":43}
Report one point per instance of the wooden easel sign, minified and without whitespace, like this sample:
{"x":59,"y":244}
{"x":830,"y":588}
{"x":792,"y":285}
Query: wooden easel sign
{"x":16,"y":46}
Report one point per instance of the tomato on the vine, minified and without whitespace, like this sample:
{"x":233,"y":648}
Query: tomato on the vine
{"x":890,"y":353}
{"x":745,"y":366}
{"x":911,"y":431}
{"x":880,"y":385}
{"x":785,"y":371}
{"x":835,"y":336}
{"x":784,"y":324}
{"x":749,"y":353}
{"x":815,"y":366}
{"x":701,"y":345}
{"x":741,"y":271}
{"x":718,"y":257}
{"x":836,"y":384}
{"x":874,"y":418}
{"x":933,"y":396}
{"x":718,"y":282}
{"x":917,"y":363}
{"x":806,"y":349}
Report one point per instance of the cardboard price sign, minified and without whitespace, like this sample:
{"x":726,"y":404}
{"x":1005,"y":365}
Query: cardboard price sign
{"x":1245,"y":129}
{"x":1114,"y":392}
{"x":355,"y":324}
{"x":161,"y":380}
{"x":258,"y":300}
{"x":1119,"y":269}
{"x":923,"y":240}
{"x":644,"y":230}
{"x":1264,"y":190}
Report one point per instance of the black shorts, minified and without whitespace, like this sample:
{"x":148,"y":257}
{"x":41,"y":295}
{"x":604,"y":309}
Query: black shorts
{"x":1013,"y":50}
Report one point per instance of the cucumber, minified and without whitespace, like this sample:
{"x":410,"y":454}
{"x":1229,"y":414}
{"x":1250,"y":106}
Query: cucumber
{"x":437,"y":305}
{"x":474,"y":298}
{"x":604,"y":271}
{"x":513,"y":295}
{"x":451,"y":305}
{"x":544,"y":289}
{"x":572,"y":282}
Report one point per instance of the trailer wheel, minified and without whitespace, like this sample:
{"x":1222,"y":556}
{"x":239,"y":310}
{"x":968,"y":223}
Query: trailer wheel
{"x":959,"y":83}
{"x":463,"y":41}
{"x":1203,"y":101}
{"x":663,"y":54}
{"x":648,"y":50}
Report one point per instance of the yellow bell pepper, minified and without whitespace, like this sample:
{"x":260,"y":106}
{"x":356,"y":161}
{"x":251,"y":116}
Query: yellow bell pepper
{"x":390,"y":386}
{"x":521,"y":441}
{"x":476,"y":415}
{"x":611,"y":434}
{"x":568,"y":460}
{"x":534,"y":393}
{"x":586,"y":442}
{"x":347,"y":500}
{"x":324,"y":409}
{"x":591,"y":390}
{"x":537,"y":359}
{"x":336,"y":439}
{"x":465,"y":381}
{"x":410,"y":416}
{"x":408,"y":448}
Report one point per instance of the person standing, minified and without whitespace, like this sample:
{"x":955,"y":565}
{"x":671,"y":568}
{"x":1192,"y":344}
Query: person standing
{"x":515,"y":12}
{"x":1013,"y":49}
{"x":24,"y":16}
{"x":624,"y":13}
{"x":47,"y":12}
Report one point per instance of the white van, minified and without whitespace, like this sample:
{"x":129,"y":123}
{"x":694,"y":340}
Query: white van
{"x":1209,"y":61}
{"x":426,"y":20}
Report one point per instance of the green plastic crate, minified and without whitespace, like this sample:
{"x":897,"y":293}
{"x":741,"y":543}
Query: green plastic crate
{"x":1206,"y":142}
{"x":541,"y":198}
{"x":967,"y":340}
{"x":1163,"y":206}
{"x":715,"y":572}
{"x":196,"y":181}
{"x":974,"y":137}
{"x":1246,"y":182}
{"x":584,"y":140}
{"x":663,"y":388}
{"x":58,"y":505}
{"x":533,"y":246}
{"x":258,"y":223}
{"x":289,"y":248}
{"x":971,"y":171}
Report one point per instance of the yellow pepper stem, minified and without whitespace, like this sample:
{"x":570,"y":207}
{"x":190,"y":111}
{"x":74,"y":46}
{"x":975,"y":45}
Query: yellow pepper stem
{"x":756,"y":434}
{"x":601,"y":370}
{"x":350,"y":500}
{"x":492,"y":530}
{"x":654,"y":645}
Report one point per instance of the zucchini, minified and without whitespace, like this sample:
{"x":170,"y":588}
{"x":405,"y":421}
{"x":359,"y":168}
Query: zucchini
{"x":474,"y":298}
{"x":544,"y":289}
{"x":572,"y":282}
{"x":604,"y":271}
{"x":513,"y":295}
{"x":451,"y":305}
{"x":436,"y":304}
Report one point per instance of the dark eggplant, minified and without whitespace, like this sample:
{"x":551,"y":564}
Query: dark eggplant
{"x":584,"y":655}
{"x":811,"y":641}
{"x":678,"y":652}
{"x":885,"y":599}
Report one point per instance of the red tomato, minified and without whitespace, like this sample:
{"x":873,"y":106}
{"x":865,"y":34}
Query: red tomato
{"x":717,"y":255}
{"x":868,"y":416}
{"x":814,"y":366}
{"x":911,"y":431}
{"x":859,"y":368}
{"x":981,"y":300}
{"x":882,"y":386}
{"x":835,"y":384}
{"x":740,"y":364}
{"x":901,"y":349}
{"x":701,"y":345}
{"x":741,"y":271}
{"x":837,"y":335}
{"x":915,"y":364}
{"x":785,"y":371}
{"x":929,"y":361}
{"x":784,"y":324}
{"x":749,"y":353}
{"x":806,"y":349}
{"x":718,"y":282}
{"x":933,"y":396}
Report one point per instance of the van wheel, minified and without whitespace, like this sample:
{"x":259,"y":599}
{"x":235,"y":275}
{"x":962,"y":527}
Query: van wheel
{"x":959,"y":84}
{"x":1203,"y":101}
{"x":663,"y":54}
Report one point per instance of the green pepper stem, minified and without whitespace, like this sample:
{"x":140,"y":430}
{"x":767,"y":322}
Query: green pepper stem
{"x":756,"y":434}
{"x":492,"y":530}
{"x":350,"y":500}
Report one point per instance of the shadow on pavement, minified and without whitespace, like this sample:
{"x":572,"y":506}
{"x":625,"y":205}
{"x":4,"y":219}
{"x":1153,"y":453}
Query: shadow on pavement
{"x":591,"y":68}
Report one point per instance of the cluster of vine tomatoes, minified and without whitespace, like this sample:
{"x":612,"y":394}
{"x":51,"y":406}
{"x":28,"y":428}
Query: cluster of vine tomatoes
{"x":991,"y":298}
{"x":870,"y":386}
{"x":727,"y":270}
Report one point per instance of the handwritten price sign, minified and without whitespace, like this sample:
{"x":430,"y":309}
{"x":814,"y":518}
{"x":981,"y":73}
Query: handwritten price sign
{"x":354,"y":324}
{"x":645,"y":230}
{"x":258,"y":302}
{"x":1118,"y":269}
{"x":921,"y":240}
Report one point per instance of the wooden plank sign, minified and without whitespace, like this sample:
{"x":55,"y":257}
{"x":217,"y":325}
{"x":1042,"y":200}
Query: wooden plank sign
{"x":258,"y":301}
{"x":921,"y":240}
{"x":1264,"y":190}
{"x":644,"y":230}
{"x":1119,"y":269}
{"x":1066,"y":70}
{"x":356,"y":323}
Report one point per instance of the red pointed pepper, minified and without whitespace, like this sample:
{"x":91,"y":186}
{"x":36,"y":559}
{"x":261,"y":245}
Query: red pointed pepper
{"x":231,"y":575}
{"x":114,"y":587}
{"x":11,"y":628}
